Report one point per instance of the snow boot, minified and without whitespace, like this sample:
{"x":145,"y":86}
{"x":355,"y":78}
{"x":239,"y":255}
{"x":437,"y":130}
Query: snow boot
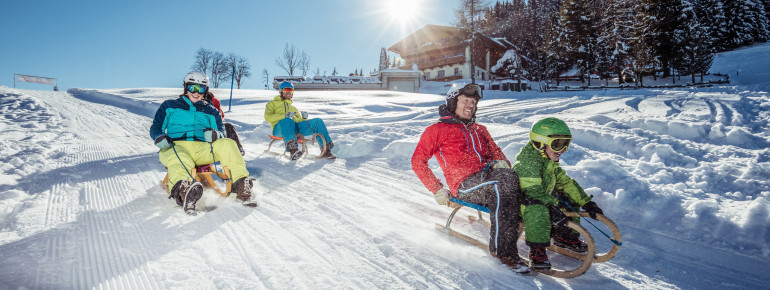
{"x":516,"y":264}
{"x":328,"y":153}
{"x":293,"y":148}
{"x":242,"y":188}
{"x":187,"y":193}
{"x":570,"y":241}
{"x":539,"y":259}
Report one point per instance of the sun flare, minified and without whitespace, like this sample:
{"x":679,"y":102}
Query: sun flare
{"x":403,"y":11}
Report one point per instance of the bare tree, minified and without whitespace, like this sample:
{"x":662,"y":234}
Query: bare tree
{"x":220,"y":68}
{"x":304,"y":63}
{"x":242,"y":68}
{"x":202,"y":60}
{"x":266,"y":77}
{"x":289,"y":60}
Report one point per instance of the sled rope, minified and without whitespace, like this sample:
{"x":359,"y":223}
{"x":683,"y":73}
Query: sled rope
{"x":180,"y":161}
{"x":571,"y":208}
{"x":215,"y":159}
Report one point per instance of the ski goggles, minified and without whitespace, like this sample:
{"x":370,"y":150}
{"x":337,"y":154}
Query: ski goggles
{"x":558,"y":143}
{"x":288,"y":90}
{"x":196,"y":88}
{"x":471,"y":90}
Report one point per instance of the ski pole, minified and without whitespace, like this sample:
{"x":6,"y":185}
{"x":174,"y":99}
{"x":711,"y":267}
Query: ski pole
{"x":605,"y":234}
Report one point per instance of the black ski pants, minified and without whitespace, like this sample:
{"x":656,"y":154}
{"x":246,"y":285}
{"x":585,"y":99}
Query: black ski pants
{"x":498,"y":190}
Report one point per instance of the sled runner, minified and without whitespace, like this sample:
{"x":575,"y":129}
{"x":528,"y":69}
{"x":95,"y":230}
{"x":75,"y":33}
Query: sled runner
{"x":202,"y":174}
{"x":587,"y":258}
{"x":302,"y":140}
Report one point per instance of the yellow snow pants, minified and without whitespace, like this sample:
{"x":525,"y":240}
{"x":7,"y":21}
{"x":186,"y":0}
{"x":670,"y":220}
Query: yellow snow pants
{"x":191,"y":153}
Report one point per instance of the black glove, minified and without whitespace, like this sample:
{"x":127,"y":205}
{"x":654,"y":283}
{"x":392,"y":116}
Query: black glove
{"x":592,"y":209}
{"x":163,"y":141}
{"x":557,"y":217}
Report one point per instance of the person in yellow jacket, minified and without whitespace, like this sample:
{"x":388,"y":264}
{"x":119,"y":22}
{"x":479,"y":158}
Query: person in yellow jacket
{"x":545,"y":185}
{"x":285,"y":121}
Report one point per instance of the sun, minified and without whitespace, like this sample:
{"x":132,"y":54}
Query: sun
{"x":403,"y":11}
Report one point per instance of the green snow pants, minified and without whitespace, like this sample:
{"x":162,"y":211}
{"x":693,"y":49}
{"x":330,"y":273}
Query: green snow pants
{"x":192,"y":153}
{"x":537,"y":224}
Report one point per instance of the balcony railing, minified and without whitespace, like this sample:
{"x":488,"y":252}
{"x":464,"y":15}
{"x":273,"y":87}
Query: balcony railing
{"x":441,"y":62}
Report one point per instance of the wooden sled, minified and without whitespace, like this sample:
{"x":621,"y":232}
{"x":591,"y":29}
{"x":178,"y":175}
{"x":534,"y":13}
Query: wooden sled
{"x":203,"y":174}
{"x":303,"y":141}
{"x":587,"y":258}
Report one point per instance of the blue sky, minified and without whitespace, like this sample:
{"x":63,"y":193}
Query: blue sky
{"x":132,"y":44}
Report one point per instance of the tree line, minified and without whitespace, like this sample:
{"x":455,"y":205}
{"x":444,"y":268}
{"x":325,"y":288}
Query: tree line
{"x":219,"y":66}
{"x":609,"y":36}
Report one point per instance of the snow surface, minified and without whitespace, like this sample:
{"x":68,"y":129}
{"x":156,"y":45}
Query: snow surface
{"x":685,"y":173}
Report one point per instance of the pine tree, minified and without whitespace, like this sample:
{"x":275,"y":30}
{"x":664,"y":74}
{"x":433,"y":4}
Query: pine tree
{"x":712,"y":15}
{"x":642,"y":45}
{"x":615,"y":38}
{"x":579,"y":34}
{"x":383,"y":59}
{"x":665,"y":18}
{"x":695,"y":53}
{"x":746,"y":23}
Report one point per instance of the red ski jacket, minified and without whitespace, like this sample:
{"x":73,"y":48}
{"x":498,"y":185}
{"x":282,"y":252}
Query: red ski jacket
{"x":460,"y":149}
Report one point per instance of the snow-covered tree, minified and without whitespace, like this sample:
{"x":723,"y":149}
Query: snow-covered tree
{"x":746,"y":22}
{"x":383,"y":59}
{"x":695,"y":52}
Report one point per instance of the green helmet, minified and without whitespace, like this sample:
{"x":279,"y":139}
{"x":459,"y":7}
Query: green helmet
{"x":552,"y":132}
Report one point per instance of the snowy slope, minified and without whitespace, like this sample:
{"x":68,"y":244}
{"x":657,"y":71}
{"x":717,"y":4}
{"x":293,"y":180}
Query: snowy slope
{"x":685,"y":174}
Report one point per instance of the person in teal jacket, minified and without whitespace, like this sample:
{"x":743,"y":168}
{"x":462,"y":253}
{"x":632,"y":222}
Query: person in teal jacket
{"x":285,"y":122}
{"x":189,"y":132}
{"x":542,"y":179}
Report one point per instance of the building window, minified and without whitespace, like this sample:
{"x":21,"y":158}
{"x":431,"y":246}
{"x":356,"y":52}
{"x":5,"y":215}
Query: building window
{"x":457,"y":71}
{"x":440,"y":74}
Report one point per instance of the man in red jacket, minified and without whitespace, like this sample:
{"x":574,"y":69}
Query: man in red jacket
{"x":475,"y":169}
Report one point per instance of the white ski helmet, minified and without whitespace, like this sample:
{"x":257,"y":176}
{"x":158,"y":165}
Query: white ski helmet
{"x":196,"y":78}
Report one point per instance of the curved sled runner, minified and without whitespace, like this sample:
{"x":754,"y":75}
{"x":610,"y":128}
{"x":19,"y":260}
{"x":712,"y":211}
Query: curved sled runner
{"x":302,"y":140}
{"x":202,"y":174}
{"x":587,"y":258}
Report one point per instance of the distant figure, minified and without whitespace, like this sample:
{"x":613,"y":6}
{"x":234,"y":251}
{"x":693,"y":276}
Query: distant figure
{"x":475,"y":169}
{"x":190,"y":132}
{"x":229,"y":128}
{"x":541,"y":178}
{"x":285,"y":121}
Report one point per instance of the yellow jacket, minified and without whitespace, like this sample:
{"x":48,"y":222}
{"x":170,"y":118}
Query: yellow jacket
{"x":276,"y":110}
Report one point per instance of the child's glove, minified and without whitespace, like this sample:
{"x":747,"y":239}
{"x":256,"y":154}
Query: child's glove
{"x":592,"y":209}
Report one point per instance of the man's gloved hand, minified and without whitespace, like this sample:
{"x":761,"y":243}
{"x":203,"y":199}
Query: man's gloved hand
{"x":592,"y":209}
{"x":290,"y":115}
{"x":442,"y":196}
{"x":557,"y":217}
{"x":163,"y":141}
{"x":500,"y":164}
{"x":304,"y":115}
{"x":210,"y":135}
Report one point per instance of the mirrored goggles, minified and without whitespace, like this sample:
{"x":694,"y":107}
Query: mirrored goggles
{"x":559,"y":143}
{"x":471,"y":90}
{"x":196,"y":88}
{"x":288,"y":90}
